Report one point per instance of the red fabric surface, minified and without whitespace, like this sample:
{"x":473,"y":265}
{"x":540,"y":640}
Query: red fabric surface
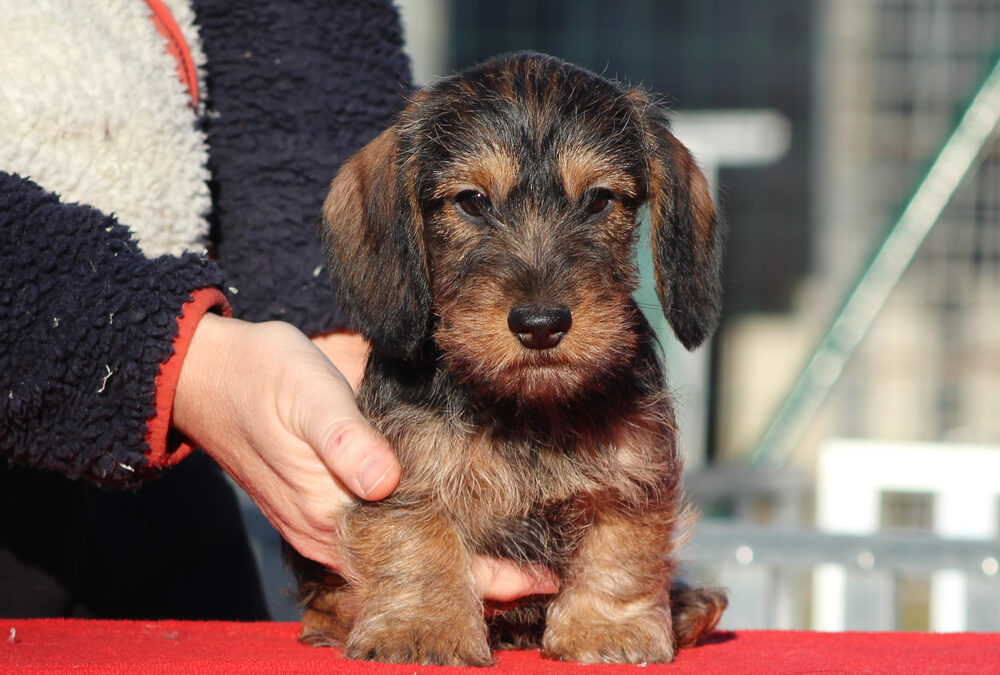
{"x":60,"y":645}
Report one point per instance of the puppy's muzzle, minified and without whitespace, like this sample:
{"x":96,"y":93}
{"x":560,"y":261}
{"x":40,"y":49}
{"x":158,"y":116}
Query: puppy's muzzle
{"x":540,"y":326}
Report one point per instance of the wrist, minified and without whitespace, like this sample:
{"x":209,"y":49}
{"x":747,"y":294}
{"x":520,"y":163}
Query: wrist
{"x":193,"y":314}
{"x":210,"y":348}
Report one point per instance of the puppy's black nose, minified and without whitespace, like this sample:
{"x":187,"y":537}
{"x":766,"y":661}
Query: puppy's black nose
{"x":539,"y":326}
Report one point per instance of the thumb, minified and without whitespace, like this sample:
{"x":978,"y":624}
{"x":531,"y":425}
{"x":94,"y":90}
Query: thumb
{"x":360,"y":457}
{"x":345,"y":442}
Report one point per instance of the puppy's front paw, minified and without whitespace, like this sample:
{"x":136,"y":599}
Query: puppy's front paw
{"x":329,"y":613}
{"x":322,"y":629}
{"x":426,"y":642}
{"x":643,"y":639}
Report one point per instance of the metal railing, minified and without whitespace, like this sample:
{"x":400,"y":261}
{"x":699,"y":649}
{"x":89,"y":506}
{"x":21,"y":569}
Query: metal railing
{"x":958,"y":155}
{"x":772,"y":573}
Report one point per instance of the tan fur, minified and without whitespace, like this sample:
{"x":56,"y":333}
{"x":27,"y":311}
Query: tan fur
{"x":561,"y":454}
{"x":491,"y":170}
{"x":696,"y":188}
{"x":585,"y":167}
{"x":614,"y":606}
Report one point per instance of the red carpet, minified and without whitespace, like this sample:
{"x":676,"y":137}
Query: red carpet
{"x":49,"y":645}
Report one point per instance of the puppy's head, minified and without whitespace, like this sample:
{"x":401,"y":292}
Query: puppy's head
{"x":498,"y":217}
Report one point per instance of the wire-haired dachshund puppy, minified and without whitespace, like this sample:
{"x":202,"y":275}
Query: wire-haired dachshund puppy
{"x":485,"y":246}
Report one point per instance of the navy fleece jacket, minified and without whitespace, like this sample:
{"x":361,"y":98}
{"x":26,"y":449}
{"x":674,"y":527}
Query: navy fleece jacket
{"x":89,"y":325}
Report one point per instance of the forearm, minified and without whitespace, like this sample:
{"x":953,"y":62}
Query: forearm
{"x":87,"y":323}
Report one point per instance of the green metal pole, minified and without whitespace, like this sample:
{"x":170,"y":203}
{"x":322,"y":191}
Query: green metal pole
{"x":957,"y":157}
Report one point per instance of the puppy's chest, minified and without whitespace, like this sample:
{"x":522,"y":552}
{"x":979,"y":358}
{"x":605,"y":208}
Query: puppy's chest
{"x":464,"y":466}
{"x":514,"y":494}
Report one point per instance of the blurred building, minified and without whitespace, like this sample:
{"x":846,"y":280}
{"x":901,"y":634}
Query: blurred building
{"x":890,"y":78}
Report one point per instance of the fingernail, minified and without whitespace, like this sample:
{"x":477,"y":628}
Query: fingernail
{"x":543,"y":585}
{"x":373,"y":472}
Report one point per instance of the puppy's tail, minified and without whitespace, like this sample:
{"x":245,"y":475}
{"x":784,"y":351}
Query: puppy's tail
{"x":695,"y":612}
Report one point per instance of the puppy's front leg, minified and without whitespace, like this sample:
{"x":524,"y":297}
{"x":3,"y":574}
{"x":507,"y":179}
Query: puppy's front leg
{"x":614,"y":606}
{"x":416,"y":596}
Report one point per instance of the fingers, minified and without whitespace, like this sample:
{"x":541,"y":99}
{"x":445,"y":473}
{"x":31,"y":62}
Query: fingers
{"x":347,"y":351}
{"x":360,"y":457}
{"x":318,"y":406}
{"x":352,"y":450}
{"x":505,"y":581}
{"x":329,"y":420}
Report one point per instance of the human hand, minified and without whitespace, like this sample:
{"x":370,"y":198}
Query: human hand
{"x":348,"y":352}
{"x":503,"y":581}
{"x":281,"y":420}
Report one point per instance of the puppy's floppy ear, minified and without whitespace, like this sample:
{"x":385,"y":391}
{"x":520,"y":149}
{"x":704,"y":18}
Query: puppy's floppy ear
{"x":372,"y":237}
{"x":686,"y":236}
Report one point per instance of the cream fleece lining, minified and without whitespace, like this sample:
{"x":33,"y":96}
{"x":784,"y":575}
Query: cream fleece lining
{"x":91,"y":108}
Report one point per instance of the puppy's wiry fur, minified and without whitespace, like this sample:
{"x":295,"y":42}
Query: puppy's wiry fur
{"x":485,"y":246}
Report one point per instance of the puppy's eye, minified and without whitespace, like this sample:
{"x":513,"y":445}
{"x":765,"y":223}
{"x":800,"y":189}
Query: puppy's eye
{"x":599,"y":200}
{"x":474,"y":203}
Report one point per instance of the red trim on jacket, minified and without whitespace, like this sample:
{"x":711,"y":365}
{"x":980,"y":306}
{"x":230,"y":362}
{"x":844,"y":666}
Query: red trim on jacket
{"x":203,"y":300}
{"x":158,"y":454}
{"x":176,"y":46}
